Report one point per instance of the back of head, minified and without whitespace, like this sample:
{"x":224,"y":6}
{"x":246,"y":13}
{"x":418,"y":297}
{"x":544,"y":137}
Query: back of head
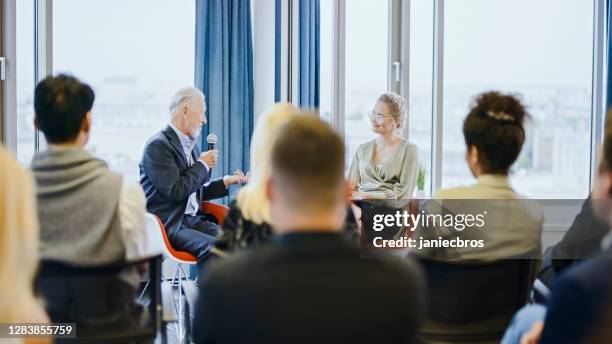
{"x":494,"y":126}
{"x":18,"y":242}
{"x":308,"y":164}
{"x":61,"y":104}
{"x":252,"y":198}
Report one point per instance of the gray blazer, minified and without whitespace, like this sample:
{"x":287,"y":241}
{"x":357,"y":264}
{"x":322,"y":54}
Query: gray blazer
{"x":512,"y":224}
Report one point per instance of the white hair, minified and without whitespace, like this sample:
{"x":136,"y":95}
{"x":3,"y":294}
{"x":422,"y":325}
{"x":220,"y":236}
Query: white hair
{"x":185,"y":95}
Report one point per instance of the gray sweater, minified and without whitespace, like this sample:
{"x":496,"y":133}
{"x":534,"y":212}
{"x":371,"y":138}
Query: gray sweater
{"x":78,"y":207}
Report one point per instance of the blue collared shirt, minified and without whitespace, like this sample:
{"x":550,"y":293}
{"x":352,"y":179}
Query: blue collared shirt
{"x":188,"y":144}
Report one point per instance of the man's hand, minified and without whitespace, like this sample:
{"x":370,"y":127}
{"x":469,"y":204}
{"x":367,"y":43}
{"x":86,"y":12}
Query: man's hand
{"x":533,"y":336}
{"x":357,"y":195}
{"x":209,"y":158}
{"x":238,"y":177}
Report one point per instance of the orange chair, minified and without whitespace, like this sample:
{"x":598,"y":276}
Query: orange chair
{"x":217,"y":210}
{"x":158,"y":238}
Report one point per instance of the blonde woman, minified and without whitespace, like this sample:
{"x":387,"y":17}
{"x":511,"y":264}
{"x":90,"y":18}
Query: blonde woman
{"x":248,"y":220}
{"x":18,"y":248}
{"x":386,"y":167}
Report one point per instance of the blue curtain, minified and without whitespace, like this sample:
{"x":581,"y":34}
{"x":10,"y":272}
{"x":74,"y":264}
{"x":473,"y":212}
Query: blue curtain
{"x":224,"y":72}
{"x":609,"y":76}
{"x":309,"y":53}
{"x":309,"y":68}
{"x":277,"y":50}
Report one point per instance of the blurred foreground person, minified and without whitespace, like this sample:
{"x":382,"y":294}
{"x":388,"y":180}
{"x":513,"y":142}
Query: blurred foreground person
{"x":578,"y":309}
{"x":18,"y":248}
{"x":247,"y":224}
{"x":308,"y":285}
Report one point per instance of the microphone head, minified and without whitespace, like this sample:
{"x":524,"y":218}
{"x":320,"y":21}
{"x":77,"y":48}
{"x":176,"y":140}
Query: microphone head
{"x":211,"y":139}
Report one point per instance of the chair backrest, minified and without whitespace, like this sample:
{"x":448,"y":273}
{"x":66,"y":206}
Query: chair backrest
{"x":469,"y":292}
{"x":156,"y":234}
{"x":158,"y":240}
{"x":102,"y":300}
{"x":217,"y":210}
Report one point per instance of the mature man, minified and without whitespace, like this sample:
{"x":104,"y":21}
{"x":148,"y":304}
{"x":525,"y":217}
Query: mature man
{"x":175,"y":176}
{"x":309,"y":285}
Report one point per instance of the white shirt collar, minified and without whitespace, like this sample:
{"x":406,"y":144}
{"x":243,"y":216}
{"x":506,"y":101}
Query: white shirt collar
{"x":187,"y":142}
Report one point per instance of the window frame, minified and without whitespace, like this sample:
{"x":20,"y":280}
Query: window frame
{"x":8,"y":87}
{"x":399,"y":52}
{"x":399,"y":49}
{"x":43,"y":64}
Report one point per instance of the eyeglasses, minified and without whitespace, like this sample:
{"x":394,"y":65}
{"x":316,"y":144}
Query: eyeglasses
{"x":379,"y":118}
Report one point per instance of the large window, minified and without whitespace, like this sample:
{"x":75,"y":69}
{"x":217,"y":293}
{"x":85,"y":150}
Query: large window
{"x":420,"y":99}
{"x":326,"y":51}
{"x":542,"y":50}
{"x":135,"y":54}
{"x":367,"y":46}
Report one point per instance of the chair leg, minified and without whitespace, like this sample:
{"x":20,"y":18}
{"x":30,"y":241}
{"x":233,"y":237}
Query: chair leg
{"x":144,"y":290}
{"x":179,"y":274}
{"x":176,"y":271}
{"x":180,"y":308}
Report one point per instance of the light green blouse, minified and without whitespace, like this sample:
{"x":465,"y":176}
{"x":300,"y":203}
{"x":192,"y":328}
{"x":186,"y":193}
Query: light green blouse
{"x":393,"y":179}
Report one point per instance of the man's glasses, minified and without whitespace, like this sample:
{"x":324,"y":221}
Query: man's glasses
{"x":379,"y":118}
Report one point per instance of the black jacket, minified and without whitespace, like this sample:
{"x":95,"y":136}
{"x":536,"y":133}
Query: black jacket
{"x":241,"y":233}
{"x":309,"y":288}
{"x":168,"y":181}
{"x":579,"y":302}
{"x":582,"y":241}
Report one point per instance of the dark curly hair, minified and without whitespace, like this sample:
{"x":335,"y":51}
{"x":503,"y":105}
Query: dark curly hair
{"x":494,"y":126}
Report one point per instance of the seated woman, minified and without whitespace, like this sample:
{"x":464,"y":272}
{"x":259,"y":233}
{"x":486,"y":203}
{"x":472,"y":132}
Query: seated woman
{"x":18,"y":248}
{"x":248,"y":221}
{"x":384,"y":171}
{"x":512,"y":225}
{"x":386,"y":167}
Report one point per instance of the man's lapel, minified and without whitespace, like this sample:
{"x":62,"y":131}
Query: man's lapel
{"x":195,"y":153}
{"x":176,"y":144}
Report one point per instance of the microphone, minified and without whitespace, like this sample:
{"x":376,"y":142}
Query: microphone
{"x":212,"y":141}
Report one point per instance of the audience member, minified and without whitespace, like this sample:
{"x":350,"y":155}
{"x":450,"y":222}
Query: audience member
{"x":89,"y":215}
{"x":18,"y":248}
{"x":582,"y":241}
{"x":247,"y":223}
{"x":512,"y":225}
{"x":309,"y":284}
{"x":580,"y":298}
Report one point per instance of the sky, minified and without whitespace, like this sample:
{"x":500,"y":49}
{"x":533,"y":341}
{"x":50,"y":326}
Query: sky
{"x":546,"y":42}
{"x":149,"y":40}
